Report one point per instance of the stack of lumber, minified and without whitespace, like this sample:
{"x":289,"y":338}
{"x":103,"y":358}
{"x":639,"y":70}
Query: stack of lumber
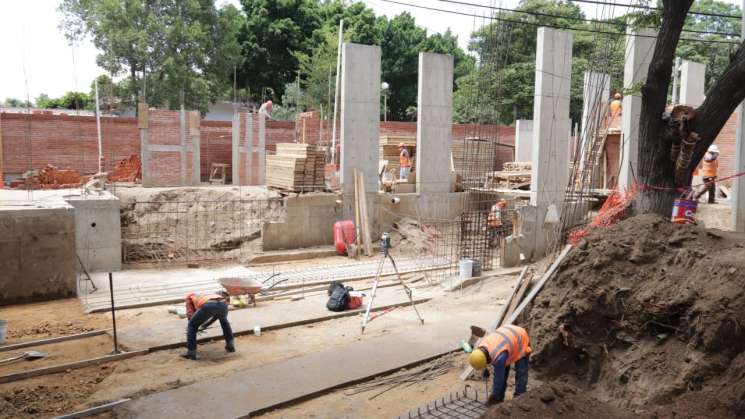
{"x":473,"y":156}
{"x":515,"y":175}
{"x":389,"y":149}
{"x":296,"y":167}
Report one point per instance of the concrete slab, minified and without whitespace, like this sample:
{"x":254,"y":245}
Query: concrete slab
{"x":259,"y":389}
{"x":171,"y":333}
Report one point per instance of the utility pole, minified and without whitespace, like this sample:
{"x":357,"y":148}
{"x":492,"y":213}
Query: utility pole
{"x":336,"y":92}
{"x":98,"y":128}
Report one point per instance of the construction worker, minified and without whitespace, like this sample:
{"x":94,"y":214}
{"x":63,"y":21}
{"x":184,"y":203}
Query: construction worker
{"x":404,"y":161}
{"x":615,"y":105}
{"x":501,"y":349}
{"x":266,"y":109}
{"x":709,"y":169}
{"x":202,"y":310}
{"x":494,"y":223}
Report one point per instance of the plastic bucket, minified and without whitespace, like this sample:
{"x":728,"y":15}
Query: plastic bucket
{"x":476,"y":270}
{"x":465,"y":268}
{"x":3,"y":330}
{"x":684,"y":211}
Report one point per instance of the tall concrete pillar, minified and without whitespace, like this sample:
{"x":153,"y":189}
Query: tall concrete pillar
{"x":551,"y":124}
{"x":692,"y":83}
{"x":524,"y":140}
{"x":595,"y":95}
{"x":738,"y":185}
{"x":434,"y":122}
{"x":235,"y":148}
{"x":261,"y":149}
{"x":360,"y":115}
{"x":143,"y":118}
{"x":639,"y":50}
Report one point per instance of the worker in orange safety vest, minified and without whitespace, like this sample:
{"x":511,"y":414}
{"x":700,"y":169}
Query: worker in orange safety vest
{"x":495,"y":222}
{"x":203,"y":310}
{"x":507,"y":346}
{"x":709,"y":169}
{"x":404,"y":161}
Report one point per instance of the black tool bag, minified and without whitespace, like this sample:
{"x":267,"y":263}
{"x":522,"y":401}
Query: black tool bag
{"x":338,"y":297}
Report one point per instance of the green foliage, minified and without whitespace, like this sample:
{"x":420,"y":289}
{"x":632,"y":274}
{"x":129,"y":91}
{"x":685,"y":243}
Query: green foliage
{"x":12,"y":102}
{"x":181,"y":47}
{"x":70,"y":100}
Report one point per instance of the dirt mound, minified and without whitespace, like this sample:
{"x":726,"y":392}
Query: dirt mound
{"x":409,"y":237}
{"x":555,"y":400}
{"x":647,"y":313}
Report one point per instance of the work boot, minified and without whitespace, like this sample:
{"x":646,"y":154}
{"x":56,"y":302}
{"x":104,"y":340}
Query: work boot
{"x":230,"y":346}
{"x":190,"y":354}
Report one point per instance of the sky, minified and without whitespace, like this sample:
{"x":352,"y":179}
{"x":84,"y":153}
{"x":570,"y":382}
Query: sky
{"x":38,"y":59}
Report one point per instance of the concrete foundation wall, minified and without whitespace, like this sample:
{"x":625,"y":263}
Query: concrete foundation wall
{"x":309,"y":222}
{"x":443,"y":206}
{"x":98,"y":233}
{"x":37,"y":253}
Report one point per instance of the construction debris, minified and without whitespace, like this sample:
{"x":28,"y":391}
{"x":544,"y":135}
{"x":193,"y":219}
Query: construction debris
{"x":296,"y":168}
{"x":50,"y":177}
{"x":127,"y":170}
{"x":516,"y":175}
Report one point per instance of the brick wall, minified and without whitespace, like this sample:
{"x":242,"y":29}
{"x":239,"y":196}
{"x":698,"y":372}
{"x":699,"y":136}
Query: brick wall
{"x":726,"y":143}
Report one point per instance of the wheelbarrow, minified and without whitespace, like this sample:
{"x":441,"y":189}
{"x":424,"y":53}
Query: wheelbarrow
{"x":236,"y":286}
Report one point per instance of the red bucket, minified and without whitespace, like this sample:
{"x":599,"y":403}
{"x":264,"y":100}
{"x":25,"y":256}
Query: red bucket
{"x":684,"y":211}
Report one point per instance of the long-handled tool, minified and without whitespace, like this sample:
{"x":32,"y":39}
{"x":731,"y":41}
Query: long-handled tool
{"x":30,"y":355}
{"x":385,"y":244}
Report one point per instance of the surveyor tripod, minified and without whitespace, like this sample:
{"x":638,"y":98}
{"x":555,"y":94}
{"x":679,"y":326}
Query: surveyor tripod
{"x":385,"y":244}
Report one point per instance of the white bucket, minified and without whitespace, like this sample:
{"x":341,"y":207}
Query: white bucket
{"x":257,"y":330}
{"x":465,"y":268}
{"x":3,"y":330}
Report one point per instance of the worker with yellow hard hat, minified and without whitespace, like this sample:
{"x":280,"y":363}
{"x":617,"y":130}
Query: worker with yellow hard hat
{"x":501,"y":349}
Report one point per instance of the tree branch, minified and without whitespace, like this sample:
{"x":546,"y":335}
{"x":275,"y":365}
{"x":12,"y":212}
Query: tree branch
{"x":721,"y":100}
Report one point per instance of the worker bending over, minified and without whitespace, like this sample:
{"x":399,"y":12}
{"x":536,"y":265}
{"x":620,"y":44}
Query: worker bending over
{"x":404,"y":161}
{"x":266,"y":109}
{"x":501,"y":349}
{"x":202,"y":310}
{"x":495,"y":224}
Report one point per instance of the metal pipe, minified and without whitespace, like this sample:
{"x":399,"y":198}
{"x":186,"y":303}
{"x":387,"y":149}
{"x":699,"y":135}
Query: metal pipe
{"x":98,"y":128}
{"x":113,"y":314}
{"x":337,"y":94}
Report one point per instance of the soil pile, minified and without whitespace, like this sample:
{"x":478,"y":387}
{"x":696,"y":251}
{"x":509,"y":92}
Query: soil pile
{"x":409,"y":237}
{"x":555,"y":400}
{"x":650,"y":317}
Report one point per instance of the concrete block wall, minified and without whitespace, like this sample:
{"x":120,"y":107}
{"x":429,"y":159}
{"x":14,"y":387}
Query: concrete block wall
{"x":37,"y":253}
{"x":309,"y":222}
{"x":98,"y":233}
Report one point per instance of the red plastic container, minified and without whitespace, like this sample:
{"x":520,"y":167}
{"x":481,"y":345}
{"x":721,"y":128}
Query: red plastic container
{"x":343,"y":233}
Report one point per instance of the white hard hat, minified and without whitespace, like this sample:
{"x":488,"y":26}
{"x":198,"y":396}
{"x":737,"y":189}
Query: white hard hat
{"x":713,"y":149}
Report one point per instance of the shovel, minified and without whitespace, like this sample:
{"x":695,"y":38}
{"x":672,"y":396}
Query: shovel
{"x":30,"y":355}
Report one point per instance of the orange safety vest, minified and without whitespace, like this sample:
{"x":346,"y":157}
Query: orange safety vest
{"x":615,"y":108}
{"x":709,"y":168}
{"x":404,"y":160}
{"x":200,"y":299}
{"x":513,"y":339}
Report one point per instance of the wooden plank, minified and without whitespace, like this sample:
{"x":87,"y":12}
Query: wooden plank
{"x":48,"y":341}
{"x":93,"y":410}
{"x":519,"y":296}
{"x":71,"y":366}
{"x":358,"y":236}
{"x":366,"y":240}
{"x":503,"y":312}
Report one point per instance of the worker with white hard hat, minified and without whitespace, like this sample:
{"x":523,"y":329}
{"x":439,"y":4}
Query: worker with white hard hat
{"x":709,"y":168}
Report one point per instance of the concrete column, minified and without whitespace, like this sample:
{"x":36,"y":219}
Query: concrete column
{"x":249,"y":148}
{"x":639,"y":50}
{"x":235,"y":150}
{"x":434,"y":122}
{"x":262,"y":149}
{"x":692,"y":83}
{"x":142,"y":124}
{"x":195,"y":119}
{"x":360,"y":115}
{"x":182,"y":138}
{"x":524,"y":140}
{"x":738,"y":185}
{"x":595,"y":95}
{"x":550,"y":169}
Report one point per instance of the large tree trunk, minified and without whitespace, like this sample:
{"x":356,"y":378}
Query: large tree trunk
{"x":656,"y":170}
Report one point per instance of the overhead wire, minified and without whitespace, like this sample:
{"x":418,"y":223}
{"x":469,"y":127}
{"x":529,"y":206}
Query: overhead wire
{"x":645,"y":7}
{"x":577,"y":19}
{"x":708,"y":41}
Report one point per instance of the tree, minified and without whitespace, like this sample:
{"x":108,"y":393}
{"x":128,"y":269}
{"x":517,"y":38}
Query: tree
{"x":70,"y":100}
{"x":656,"y":138}
{"x":170,"y":49}
{"x":273,"y":34}
{"x":12,"y":102}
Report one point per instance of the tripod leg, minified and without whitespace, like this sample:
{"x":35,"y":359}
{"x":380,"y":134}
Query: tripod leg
{"x":372,"y":295}
{"x":406,"y":289}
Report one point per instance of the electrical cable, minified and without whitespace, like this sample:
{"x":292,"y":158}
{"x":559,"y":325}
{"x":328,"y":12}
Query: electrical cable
{"x":641,"y":6}
{"x":708,"y":41}
{"x":577,"y":19}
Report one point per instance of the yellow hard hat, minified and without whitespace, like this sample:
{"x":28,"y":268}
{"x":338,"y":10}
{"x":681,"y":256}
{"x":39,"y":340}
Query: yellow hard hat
{"x":477,"y":359}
